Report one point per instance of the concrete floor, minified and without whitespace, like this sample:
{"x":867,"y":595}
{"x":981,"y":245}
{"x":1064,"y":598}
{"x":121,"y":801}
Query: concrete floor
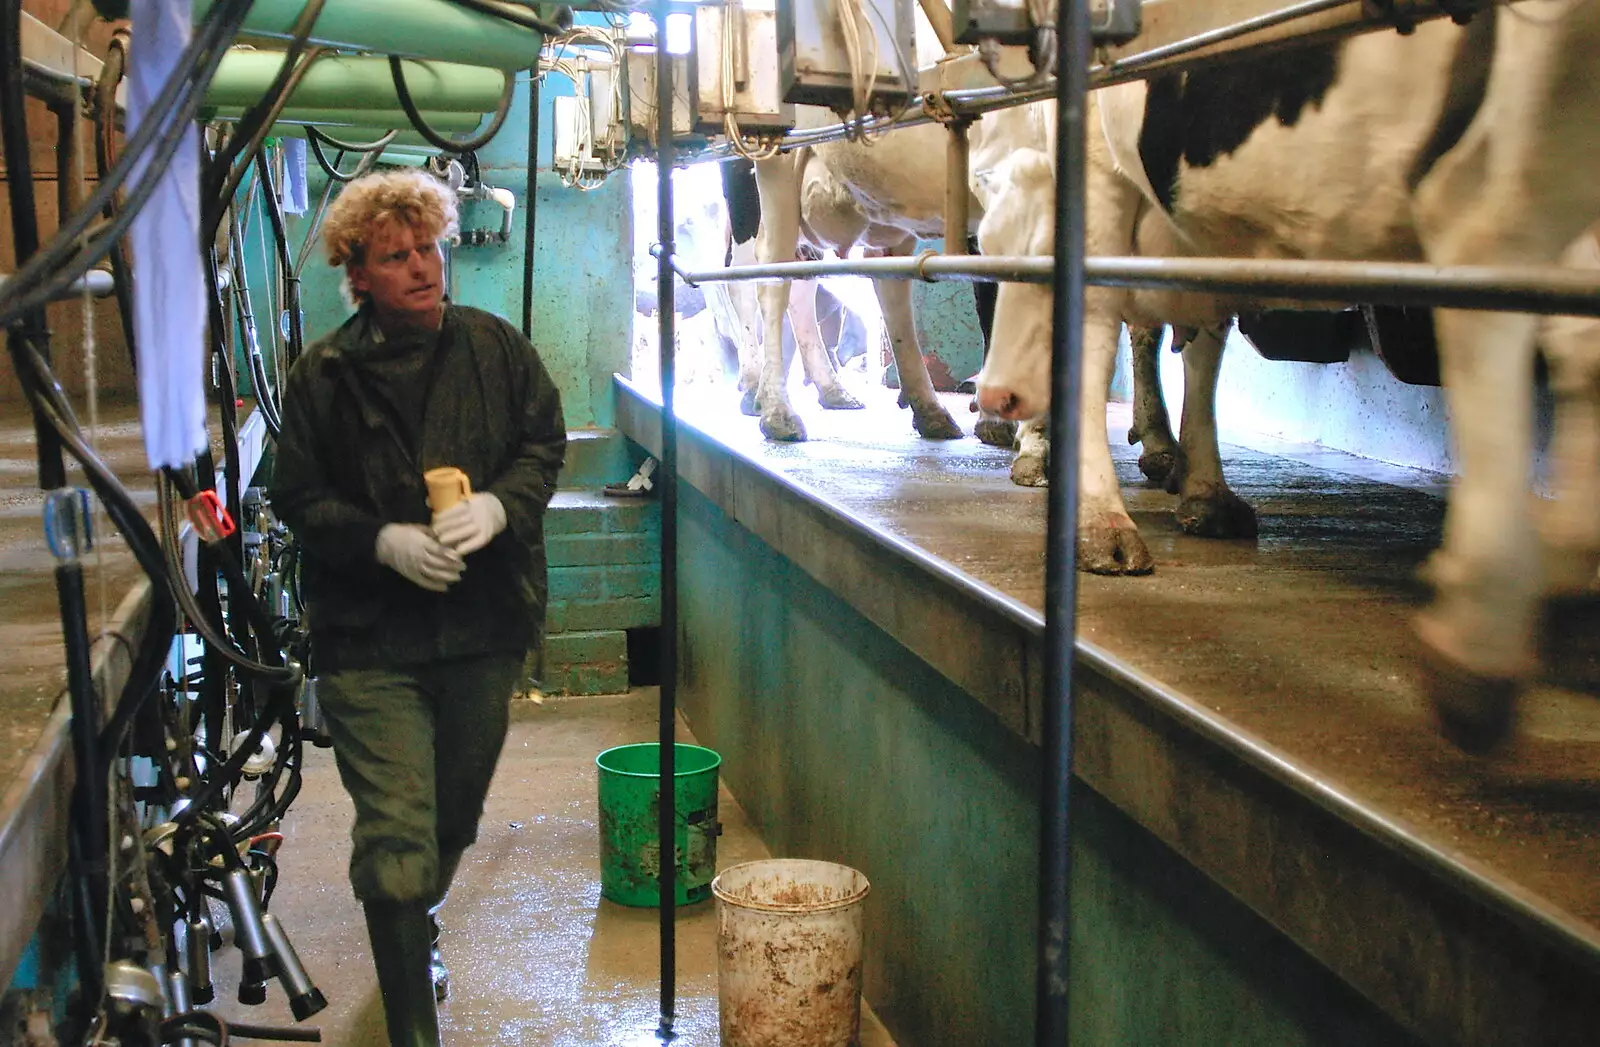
{"x":537,"y":957}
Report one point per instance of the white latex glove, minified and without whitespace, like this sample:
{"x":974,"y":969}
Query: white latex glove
{"x":471,"y":523}
{"x":413,"y":551}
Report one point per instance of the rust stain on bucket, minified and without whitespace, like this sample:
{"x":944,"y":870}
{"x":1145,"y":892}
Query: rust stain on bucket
{"x":789,"y":935}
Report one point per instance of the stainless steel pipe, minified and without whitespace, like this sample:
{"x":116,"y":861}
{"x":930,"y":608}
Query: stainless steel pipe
{"x":1530,"y":289}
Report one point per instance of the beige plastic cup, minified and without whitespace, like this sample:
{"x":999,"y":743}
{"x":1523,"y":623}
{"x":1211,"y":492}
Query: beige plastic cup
{"x":447,"y":485}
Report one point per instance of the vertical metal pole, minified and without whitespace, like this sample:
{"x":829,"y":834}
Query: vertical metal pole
{"x":529,"y":210}
{"x":669,"y":522}
{"x":957,"y":196}
{"x":32,"y":329}
{"x":1061,"y":580}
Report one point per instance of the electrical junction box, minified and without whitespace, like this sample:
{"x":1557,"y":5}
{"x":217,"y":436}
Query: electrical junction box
{"x":608,"y":103}
{"x":1009,"y":22}
{"x":589,"y":133}
{"x":814,"y":64}
{"x":748,"y":44}
{"x":574,"y":137}
{"x":641,"y":81}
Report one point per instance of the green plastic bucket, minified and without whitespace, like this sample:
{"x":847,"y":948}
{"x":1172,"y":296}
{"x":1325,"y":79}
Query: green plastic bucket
{"x":630,"y":802}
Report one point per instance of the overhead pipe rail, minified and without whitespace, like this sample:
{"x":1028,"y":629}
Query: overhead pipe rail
{"x":1307,"y":22}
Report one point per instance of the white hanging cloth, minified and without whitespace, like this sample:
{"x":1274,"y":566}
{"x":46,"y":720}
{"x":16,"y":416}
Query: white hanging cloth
{"x":169,"y":309}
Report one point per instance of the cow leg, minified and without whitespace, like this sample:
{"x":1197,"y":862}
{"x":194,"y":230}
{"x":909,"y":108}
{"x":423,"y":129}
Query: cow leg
{"x":990,"y":429}
{"x":916,"y":387}
{"x":1570,"y":521}
{"x":776,"y":241}
{"x":1160,"y":458}
{"x":819,"y":368}
{"x":1206,"y":507}
{"x":1108,"y":540}
{"x":1519,"y":188}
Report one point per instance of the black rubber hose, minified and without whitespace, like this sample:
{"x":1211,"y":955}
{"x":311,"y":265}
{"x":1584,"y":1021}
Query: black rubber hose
{"x":68,"y":255}
{"x":105,"y":113}
{"x":90,"y":792}
{"x":291,"y":282}
{"x":434,"y":138}
{"x":228,"y":409}
{"x":222,"y":196}
{"x":332,"y":169}
{"x":246,"y":323}
{"x":375,"y":145}
{"x":253,"y":126}
{"x":517,"y":16}
{"x":48,"y":400}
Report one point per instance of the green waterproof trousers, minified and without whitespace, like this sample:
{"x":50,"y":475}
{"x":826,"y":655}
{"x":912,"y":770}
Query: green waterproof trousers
{"x":416,"y":748}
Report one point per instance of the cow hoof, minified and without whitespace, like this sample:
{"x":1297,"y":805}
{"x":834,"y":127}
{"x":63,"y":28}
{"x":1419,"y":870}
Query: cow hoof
{"x":748,"y":404}
{"x":1475,"y":713}
{"x":1030,"y":470}
{"x":996,"y":432}
{"x":838,"y":398}
{"x":1113,"y":550}
{"x":783,"y":425}
{"x":1219,"y":514}
{"x":1161,"y":467}
{"x":933,"y":422}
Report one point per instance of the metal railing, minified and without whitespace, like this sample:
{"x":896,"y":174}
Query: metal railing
{"x":1528,"y":289}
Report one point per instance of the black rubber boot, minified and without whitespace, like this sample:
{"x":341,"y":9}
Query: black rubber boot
{"x":436,"y":968}
{"x":448,"y":863}
{"x":402,"y":943}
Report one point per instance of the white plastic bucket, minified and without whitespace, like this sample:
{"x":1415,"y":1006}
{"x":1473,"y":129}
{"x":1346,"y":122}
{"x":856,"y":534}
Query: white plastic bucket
{"x":789,"y":937}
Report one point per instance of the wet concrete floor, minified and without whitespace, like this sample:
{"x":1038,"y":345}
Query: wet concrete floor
{"x":537,"y":957}
{"x":1300,"y":637}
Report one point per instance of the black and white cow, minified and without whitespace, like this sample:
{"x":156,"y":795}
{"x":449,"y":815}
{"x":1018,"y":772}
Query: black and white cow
{"x":1455,"y":146}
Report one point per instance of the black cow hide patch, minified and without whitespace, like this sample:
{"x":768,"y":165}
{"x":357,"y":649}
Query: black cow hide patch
{"x":1196,"y":117}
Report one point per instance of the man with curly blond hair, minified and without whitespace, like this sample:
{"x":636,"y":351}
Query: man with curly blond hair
{"x":420,"y":622}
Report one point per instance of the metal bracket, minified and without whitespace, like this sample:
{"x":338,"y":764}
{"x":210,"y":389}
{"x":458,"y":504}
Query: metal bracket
{"x":68,"y":523}
{"x":1011,"y":21}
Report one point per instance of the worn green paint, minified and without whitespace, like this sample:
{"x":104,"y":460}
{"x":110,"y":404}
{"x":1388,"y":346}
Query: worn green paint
{"x":946,"y":315}
{"x":842,"y":745}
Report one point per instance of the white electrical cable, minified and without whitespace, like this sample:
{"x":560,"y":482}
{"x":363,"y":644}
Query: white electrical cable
{"x":610,"y":153}
{"x":751,"y":149}
{"x":863,"y":71}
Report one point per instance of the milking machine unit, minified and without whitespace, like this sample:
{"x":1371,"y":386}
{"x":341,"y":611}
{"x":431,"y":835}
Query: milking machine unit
{"x":183,"y":778}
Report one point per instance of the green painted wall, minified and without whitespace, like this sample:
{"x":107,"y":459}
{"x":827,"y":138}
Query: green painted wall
{"x":946,"y":316}
{"x":842,"y":745}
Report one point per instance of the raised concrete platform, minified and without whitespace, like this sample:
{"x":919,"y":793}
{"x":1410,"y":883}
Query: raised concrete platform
{"x":1252,"y":705}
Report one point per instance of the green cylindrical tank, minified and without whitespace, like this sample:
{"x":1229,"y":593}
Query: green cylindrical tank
{"x":418,"y":28}
{"x":351,"y":82}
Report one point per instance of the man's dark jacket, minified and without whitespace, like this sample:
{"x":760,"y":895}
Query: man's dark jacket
{"x":344,"y":467}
